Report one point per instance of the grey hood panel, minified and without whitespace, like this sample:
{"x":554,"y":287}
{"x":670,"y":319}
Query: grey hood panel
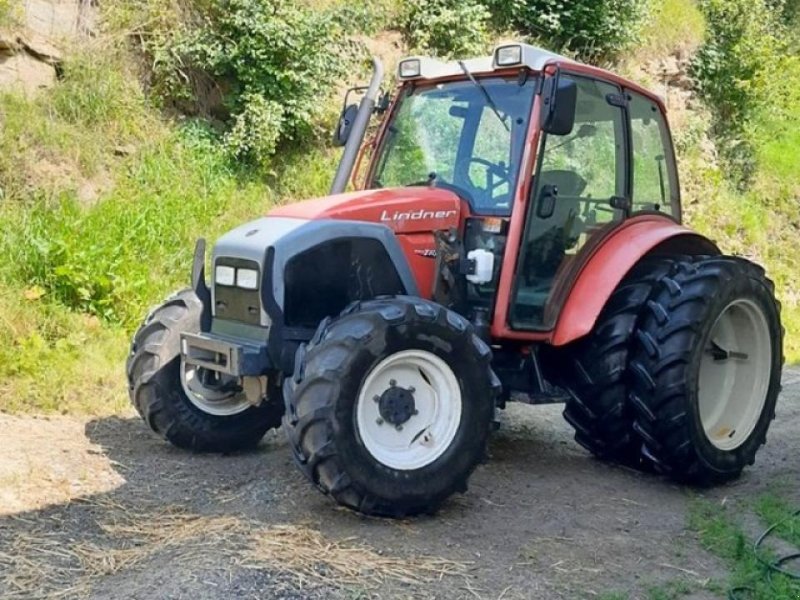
{"x":289,"y":236}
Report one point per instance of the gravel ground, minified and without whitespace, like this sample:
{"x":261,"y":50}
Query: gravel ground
{"x":101,"y":509}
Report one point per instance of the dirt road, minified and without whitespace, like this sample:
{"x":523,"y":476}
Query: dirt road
{"x":101,"y":509}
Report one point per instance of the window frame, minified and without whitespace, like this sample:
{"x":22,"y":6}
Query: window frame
{"x":379,"y":147}
{"x":670,"y":161}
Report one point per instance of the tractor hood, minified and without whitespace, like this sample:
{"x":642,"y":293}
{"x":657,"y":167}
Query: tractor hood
{"x":405,"y":210}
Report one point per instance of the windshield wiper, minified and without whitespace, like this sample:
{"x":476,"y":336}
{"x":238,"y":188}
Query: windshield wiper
{"x":489,"y":100}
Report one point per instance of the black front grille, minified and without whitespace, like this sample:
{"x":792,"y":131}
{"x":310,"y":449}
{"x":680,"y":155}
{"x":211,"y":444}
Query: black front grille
{"x":235,"y":303}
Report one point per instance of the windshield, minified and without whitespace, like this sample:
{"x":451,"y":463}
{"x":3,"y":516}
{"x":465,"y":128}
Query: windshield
{"x":467,"y":137}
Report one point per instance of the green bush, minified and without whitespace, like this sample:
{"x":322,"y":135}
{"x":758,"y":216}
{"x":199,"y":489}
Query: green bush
{"x":447,"y":28}
{"x":273,"y":61}
{"x":739,"y":72}
{"x":591,"y":29}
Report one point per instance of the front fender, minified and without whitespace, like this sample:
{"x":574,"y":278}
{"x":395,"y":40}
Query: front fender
{"x":612,"y":260}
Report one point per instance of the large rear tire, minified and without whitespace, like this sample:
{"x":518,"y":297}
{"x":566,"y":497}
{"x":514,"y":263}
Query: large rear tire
{"x":706,"y":369}
{"x":159,"y":385}
{"x":390,"y":406}
{"x":598,"y":383}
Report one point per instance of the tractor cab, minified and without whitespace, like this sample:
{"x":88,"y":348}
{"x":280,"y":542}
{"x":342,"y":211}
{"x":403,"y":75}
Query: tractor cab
{"x":554,"y":153}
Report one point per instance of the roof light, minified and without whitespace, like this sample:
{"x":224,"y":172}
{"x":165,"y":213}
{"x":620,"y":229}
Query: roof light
{"x":409,"y":68}
{"x":506,"y":56}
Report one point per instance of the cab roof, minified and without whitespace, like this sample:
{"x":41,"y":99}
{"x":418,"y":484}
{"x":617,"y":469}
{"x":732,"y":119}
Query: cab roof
{"x":531,"y":57}
{"x":504,"y":57}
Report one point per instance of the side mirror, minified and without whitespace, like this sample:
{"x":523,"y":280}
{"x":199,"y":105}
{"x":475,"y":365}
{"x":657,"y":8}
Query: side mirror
{"x":547,"y":201}
{"x":558,"y":111}
{"x":345,"y":125}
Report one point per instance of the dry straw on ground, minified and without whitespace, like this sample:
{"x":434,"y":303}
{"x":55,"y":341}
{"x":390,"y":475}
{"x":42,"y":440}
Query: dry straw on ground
{"x":43,"y":562}
{"x":310,"y":556}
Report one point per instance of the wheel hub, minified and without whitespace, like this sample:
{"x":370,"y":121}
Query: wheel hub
{"x":218,"y":396}
{"x":409,"y":426}
{"x":396,"y":405}
{"x":734,"y":375}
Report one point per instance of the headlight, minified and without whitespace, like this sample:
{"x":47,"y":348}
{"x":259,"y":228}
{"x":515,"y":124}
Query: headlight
{"x":247,"y":279}
{"x":225,"y":275}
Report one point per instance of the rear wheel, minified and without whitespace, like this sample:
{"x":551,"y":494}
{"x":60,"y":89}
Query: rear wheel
{"x":390,"y":406}
{"x":598,"y":383}
{"x":706,"y":370}
{"x":192,"y":408}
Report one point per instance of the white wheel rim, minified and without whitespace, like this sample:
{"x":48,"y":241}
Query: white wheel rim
{"x":209,"y":400}
{"x":426,"y":435}
{"x":732,"y":391}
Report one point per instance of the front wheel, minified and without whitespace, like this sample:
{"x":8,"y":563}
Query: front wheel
{"x":390,"y":406}
{"x":191,"y":407}
{"x":706,"y":369}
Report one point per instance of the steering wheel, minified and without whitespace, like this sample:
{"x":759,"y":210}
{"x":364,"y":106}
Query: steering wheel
{"x":503,"y":175}
{"x":441,"y":184}
{"x":598,"y":204}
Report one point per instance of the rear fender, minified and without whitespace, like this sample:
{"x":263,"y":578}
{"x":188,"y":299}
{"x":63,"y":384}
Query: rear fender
{"x":612,"y":260}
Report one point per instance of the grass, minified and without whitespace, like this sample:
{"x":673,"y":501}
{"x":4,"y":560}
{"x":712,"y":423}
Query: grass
{"x":55,"y":360}
{"x":672,"y":590}
{"x":719,"y":529}
{"x":673,"y":25}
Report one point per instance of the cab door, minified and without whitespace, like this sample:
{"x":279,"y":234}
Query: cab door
{"x":581,"y":189}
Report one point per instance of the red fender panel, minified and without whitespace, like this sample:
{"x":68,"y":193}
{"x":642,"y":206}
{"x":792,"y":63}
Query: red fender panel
{"x":612,"y":260}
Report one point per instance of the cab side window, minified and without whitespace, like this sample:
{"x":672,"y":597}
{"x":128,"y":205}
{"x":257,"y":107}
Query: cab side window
{"x":579,"y":176}
{"x":654,"y":179}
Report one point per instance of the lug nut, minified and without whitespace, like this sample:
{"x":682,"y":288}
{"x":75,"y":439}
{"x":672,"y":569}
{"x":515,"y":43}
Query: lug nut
{"x":379,"y":421}
{"x":412,"y":389}
{"x":392,"y":382}
{"x":416,"y":412}
{"x":399,"y":428}
{"x":376,"y":398}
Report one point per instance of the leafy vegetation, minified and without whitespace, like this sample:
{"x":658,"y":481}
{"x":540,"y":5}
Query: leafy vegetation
{"x":740,"y":71}
{"x":447,"y":27}
{"x":591,"y":29}
{"x":263,"y":72}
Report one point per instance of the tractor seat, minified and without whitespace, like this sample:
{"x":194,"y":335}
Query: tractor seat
{"x":569,"y":183}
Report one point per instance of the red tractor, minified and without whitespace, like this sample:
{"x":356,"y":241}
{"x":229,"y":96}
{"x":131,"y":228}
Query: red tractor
{"x":517,"y":235}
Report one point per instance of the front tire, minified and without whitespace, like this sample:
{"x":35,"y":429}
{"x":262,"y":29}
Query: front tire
{"x":706,"y":369}
{"x":159,"y":389}
{"x":390,"y":407}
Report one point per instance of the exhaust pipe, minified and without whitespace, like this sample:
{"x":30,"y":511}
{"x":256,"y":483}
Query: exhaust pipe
{"x":359,"y":129}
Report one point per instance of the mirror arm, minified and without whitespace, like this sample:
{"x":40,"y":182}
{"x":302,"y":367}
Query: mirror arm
{"x":358,"y":130}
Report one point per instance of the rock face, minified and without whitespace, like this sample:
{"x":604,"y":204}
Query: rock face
{"x":22,"y":71}
{"x":58,"y":19}
{"x":30,"y":53}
